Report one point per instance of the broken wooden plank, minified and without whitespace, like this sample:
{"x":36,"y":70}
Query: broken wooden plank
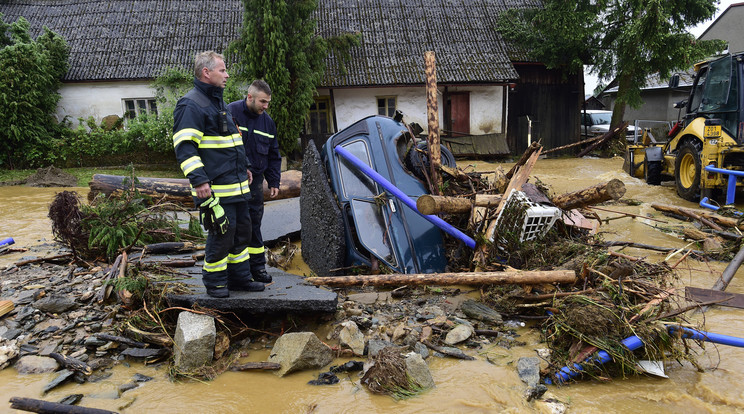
{"x":734,"y":300}
{"x":447,"y":279}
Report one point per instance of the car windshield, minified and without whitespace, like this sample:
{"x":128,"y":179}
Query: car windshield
{"x":601,"y":119}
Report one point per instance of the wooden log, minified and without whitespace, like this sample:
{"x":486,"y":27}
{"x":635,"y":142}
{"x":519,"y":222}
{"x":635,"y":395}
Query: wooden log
{"x":444,"y":351}
{"x":170,"y":247}
{"x":45,"y":259}
{"x":269,"y":366}
{"x":689,"y":212}
{"x":611,"y":190}
{"x":585,"y":141}
{"x":728,"y":273}
{"x":432,"y":204}
{"x":6,"y":306}
{"x":446,"y":279}
{"x":523,"y":159}
{"x":178,"y":190}
{"x":120,"y":339}
{"x":41,"y":406}
{"x":72,"y":363}
{"x":432,"y":115}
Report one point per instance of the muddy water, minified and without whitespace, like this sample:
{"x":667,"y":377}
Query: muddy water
{"x":462,"y":386}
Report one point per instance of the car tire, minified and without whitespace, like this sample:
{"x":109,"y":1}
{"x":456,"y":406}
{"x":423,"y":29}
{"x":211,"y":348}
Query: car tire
{"x":652,"y":172}
{"x":418,"y":162}
{"x":687,"y":170}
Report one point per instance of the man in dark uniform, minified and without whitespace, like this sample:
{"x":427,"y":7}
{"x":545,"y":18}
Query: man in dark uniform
{"x":210,"y":151}
{"x":262,"y":148}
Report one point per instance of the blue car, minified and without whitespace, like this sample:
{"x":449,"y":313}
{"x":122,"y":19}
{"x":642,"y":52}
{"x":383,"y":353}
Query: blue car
{"x":372,"y":225}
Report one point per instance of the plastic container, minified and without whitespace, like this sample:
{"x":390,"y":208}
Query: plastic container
{"x":530,"y":219}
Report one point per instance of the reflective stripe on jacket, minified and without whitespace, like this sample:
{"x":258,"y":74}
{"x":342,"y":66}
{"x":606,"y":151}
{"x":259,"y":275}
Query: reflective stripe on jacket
{"x":208,"y":145}
{"x":260,"y":142}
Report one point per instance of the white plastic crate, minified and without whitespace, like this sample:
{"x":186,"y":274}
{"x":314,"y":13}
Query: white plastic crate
{"x":534,"y":221}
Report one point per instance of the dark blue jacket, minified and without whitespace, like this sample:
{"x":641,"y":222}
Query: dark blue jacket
{"x":260,"y":142}
{"x":208,"y":145}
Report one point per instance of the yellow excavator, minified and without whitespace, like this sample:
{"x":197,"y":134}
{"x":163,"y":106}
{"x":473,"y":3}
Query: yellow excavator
{"x":706,"y":146}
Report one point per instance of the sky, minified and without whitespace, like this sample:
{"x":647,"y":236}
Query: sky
{"x":590,"y":81}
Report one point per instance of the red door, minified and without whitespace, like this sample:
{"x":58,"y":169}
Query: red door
{"x":460,"y":113}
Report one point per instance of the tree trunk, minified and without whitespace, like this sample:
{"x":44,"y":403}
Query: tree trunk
{"x":178,"y":190}
{"x":447,"y":279}
{"x":41,"y":406}
{"x":431,"y":204}
{"x":611,"y":190}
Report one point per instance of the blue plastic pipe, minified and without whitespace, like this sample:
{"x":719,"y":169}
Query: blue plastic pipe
{"x":395,"y":191}
{"x":7,"y":241}
{"x":634,"y":342}
{"x":731,"y":184}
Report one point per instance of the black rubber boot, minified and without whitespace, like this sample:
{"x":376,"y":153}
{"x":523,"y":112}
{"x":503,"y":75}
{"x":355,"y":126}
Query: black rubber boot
{"x":218,"y":292}
{"x":249,"y":286}
{"x":261,"y":276}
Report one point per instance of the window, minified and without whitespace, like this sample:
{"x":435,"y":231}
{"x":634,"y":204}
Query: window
{"x":135,"y":107}
{"x":386,"y":105}
{"x":319,"y":120}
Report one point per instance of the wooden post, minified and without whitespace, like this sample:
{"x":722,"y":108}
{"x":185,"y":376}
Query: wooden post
{"x":431,"y":204}
{"x":448,"y":279}
{"x":432,"y":112}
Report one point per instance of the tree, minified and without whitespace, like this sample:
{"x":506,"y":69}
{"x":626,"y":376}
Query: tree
{"x":278,"y":44}
{"x":623,"y":39}
{"x":33,"y":70}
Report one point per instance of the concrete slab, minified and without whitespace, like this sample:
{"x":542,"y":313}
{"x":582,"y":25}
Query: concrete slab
{"x":281,"y":220}
{"x":287,"y":293}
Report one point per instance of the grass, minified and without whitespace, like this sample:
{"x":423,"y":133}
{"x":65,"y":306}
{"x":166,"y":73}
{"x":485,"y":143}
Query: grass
{"x":85,"y":175}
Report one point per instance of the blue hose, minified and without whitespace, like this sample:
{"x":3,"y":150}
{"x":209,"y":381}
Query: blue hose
{"x":7,"y":241}
{"x":634,"y":342}
{"x":387,"y":185}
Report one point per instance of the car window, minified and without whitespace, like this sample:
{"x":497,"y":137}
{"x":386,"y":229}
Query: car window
{"x":369,"y":216}
{"x":601,"y":119}
{"x":354,"y":182}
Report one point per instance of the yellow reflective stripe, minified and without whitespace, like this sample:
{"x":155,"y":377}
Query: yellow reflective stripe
{"x":221,"y":142}
{"x":256,"y":250}
{"x":227,"y":190}
{"x":243,"y":128}
{"x":187,"y":134}
{"x":255,"y":131}
{"x":216,"y":266}
{"x":191,"y":164}
{"x":240,"y":257}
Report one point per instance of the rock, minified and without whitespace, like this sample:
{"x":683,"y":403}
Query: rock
{"x":535,"y":392}
{"x":32,"y":364}
{"x":458,"y":334}
{"x":55,"y":304}
{"x":418,"y":372}
{"x":71,"y":399}
{"x":528,"y":369}
{"x":221,"y":345}
{"x":299,"y":351}
{"x":194,"y":341}
{"x":61,"y":378}
{"x":126,"y":387}
{"x":399,"y":333}
{"x":374,"y":346}
{"x":477,"y":310}
{"x":351,"y":338}
{"x":8,"y":351}
{"x":421,"y":349}
{"x":11,"y":334}
{"x":141,"y":378}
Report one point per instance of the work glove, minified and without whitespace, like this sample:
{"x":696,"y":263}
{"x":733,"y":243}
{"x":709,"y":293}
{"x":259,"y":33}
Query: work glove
{"x":213,"y":216}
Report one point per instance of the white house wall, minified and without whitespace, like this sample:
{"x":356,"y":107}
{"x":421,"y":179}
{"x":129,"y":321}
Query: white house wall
{"x":99,"y":99}
{"x":486,"y":106}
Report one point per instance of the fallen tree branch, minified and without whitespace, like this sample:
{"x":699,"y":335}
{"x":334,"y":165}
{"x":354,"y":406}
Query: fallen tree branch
{"x":41,"y":406}
{"x":269,"y":366}
{"x":447,"y":279}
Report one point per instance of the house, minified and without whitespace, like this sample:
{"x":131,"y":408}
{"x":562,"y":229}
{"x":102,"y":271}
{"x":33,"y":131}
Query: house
{"x":658,"y":97}
{"x":492,"y":99}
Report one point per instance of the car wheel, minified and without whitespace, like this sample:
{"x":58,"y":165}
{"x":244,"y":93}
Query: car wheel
{"x":687,"y":170}
{"x":652,"y":172}
{"x":417,"y":160}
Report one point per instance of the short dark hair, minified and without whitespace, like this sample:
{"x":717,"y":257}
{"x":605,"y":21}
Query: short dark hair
{"x":259,"y":85}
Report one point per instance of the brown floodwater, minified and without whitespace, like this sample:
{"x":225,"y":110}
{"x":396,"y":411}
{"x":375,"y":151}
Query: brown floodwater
{"x":476,"y":386}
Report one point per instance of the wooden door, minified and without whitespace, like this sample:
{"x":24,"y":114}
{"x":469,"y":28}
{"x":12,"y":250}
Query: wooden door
{"x":460,"y":113}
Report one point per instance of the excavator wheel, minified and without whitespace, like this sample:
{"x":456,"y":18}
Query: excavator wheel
{"x":687,"y":170}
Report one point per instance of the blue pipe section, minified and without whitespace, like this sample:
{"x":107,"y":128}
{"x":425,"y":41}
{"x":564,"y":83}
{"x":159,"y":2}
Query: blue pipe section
{"x":7,"y":241}
{"x":634,"y":342}
{"x":704,"y":203}
{"x":732,"y":176}
{"x":395,"y":191}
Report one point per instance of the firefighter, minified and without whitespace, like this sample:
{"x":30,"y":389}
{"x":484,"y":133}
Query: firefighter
{"x":210,"y":151}
{"x":262,"y":148}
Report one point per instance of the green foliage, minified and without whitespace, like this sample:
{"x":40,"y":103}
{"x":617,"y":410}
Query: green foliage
{"x":625,"y":39}
{"x":32,"y":72}
{"x":278,"y":44}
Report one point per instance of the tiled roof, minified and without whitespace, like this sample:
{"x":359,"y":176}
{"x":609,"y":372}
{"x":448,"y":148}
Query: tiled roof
{"x":113,"y":40}
{"x":135,"y":39}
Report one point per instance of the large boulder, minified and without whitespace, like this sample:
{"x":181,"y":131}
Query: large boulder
{"x":458,"y":334}
{"x":418,"y":371}
{"x":481,"y":312}
{"x":55,"y":304}
{"x":300,"y":351}
{"x":32,"y":364}
{"x":194,"y":341}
